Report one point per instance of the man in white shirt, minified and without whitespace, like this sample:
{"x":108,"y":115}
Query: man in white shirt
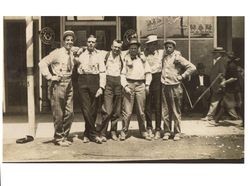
{"x":136,"y":78}
{"x":111,"y":109}
{"x":154,"y":58}
{"x":60,"y":89}
{"x":91,"y":85}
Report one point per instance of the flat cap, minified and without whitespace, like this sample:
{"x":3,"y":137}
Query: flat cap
{"x":170,"y":41}
{"x":68,"y":33}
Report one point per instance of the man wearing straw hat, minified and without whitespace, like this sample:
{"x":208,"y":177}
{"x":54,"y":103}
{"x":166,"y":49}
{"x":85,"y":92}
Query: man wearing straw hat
{"x":154,"y":58}
{"x":171,"y":78}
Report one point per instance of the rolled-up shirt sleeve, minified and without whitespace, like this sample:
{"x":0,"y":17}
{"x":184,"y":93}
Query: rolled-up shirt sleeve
{"x":44,"y":64}
{"x":123,"y":75}
{"x":102,"y":70}
{"x":148,"y":75}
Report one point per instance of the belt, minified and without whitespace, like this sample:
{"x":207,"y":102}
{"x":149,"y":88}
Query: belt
{"x":136,"y":80}
{"x":65,"y":78}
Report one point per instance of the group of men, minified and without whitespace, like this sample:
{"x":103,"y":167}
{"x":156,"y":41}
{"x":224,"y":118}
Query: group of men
{"x":112,"y":83}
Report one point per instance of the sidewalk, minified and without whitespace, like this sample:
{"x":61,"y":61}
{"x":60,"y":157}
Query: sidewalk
{"x":16,"y":127}
{"x":201,"y":142}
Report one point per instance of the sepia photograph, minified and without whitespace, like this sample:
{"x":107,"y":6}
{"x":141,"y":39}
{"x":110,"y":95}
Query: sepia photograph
{"x":123,"y":89}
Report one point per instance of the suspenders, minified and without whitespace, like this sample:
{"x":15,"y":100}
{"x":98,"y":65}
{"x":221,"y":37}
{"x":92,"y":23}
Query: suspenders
{"x":107,"y":56}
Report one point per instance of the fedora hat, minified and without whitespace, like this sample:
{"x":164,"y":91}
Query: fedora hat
{"x":151,"y":38}
{"x":170,"y":41}
{"x":218,"y":50}
{"x":134,"y":41}
{"x":68,"y":33}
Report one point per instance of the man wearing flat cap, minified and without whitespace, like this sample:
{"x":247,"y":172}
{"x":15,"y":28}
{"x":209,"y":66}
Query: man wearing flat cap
{"x":217,"y":74}
{"x":135,"y":78}
{"x":91,"y":84}
{"x":172,"y":75}
{"x":154,"y":58}
{"x":60,"y":89}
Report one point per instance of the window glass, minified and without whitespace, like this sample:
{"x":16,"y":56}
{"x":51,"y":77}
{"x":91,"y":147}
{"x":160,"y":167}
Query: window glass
{"x":201,"y":27}
{"x":150,"y":25}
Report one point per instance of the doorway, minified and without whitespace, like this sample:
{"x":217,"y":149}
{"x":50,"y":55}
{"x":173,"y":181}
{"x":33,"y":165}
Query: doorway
{"x":15,"y":70}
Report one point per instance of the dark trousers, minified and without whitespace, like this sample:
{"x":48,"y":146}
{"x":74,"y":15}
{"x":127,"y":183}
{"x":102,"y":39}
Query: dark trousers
{"x":227,"y":104}
{"x":154,"y":99}
{"x":203,"y":104}
{"x":171,"y":107}
{"x":61,"y":97}
{"x":111,"y":108}
{"x":88,"y":85}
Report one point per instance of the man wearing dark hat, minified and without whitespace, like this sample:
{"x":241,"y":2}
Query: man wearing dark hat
{"x":173,"y":65}
{"x":91,"y":84}
{"x":198,"y":84}
{"x":154,"y":58}
{"x":60,"y":89}
{"x":136,"y":78}
{"x":217,"y":74}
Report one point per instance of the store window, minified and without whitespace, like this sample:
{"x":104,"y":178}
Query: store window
{"x":194,"y":35}
{"x":103,"y":27}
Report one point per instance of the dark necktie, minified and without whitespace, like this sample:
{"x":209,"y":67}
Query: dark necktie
{"x":69,"y":64}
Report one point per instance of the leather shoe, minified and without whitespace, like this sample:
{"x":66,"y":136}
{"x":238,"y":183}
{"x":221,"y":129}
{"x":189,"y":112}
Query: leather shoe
{"x":98,"y":140}
{"x":103,"y":139}
{"x":85,"y":139}
{"x":150,"y":133}
{"x":122,"y":136}
{"x":177,"y":137}
{"x":25,"y":140}
{"x":114,"y":136}
{"x":157,"y":135}
{"x":166,"y":136}
{"x":62,"y":143}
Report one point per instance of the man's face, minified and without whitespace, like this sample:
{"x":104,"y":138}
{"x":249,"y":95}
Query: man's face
{"x":152,"y":46}
{"x":91,"y":43}
{"x":116,"y":48}
{"x":68,"y":42}
{"x":133,"y":50}
{"x":169,"y":48}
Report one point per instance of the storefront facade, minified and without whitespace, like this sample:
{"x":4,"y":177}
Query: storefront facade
{"x":195,"y":38}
